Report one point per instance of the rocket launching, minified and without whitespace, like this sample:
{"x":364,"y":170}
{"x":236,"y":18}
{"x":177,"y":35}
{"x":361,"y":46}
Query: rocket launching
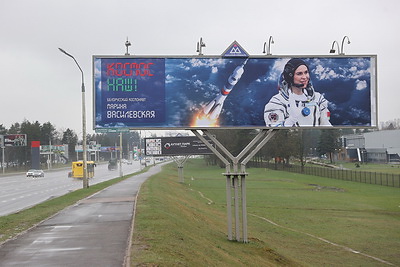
{"x":214,"y":108}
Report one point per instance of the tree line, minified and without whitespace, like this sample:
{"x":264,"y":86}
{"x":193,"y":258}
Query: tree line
{"x":287,"y":143}
{"x":46,"y":133}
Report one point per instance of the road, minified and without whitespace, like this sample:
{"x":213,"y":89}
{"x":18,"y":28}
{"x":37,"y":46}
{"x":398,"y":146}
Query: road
{"x":95,"y":231}
{"x":18,"y":192}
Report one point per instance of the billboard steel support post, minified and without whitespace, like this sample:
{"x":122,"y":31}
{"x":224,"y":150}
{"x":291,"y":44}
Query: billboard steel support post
{"x":120,"y":155}
{"x":244,"y":207}
{"x":2,"y":159}
{"x":232,"y":178}
{"x":180,"y":162}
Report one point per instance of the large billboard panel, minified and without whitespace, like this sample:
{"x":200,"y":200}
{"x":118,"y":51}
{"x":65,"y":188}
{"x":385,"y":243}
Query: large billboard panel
{"x":175,"y":146}
{"x":218,"y":92}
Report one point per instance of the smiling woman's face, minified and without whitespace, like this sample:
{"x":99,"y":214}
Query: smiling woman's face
{"x":301,"y":76}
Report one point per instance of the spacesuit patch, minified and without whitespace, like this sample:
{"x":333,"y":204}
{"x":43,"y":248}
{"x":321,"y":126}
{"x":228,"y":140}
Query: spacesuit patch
{"x":273,"y":117}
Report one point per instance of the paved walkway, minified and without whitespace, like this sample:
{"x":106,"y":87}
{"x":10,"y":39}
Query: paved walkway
{"x":93,"y":232}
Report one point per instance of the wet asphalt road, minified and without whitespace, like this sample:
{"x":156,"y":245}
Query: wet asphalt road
{"x":94,"y":232}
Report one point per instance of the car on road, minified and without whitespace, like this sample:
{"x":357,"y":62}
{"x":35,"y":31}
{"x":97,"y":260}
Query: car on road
{"x":35,"y":173}
{"x":112,"y":164}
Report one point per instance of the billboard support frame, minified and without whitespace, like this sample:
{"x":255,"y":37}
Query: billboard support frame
{"x":180,"y":163}
{"x":232,"y":178}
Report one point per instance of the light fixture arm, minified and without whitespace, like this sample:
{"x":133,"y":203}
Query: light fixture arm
{"x":127,"y":44}
{"x":271,"y":41}
{"x":267,"y":49}
{"x":333,"y":49}
{"x":71,"y":56}
{"x":348,"y":42}
{"x":200,"y":46}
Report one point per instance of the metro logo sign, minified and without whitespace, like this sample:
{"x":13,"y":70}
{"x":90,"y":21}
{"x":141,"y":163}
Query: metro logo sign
{"x":235,"y":50}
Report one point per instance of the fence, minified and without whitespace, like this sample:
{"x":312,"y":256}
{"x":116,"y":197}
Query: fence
{"x":385,"y":179}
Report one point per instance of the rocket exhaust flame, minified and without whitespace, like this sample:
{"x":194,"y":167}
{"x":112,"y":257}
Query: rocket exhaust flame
{"x":201,"y":120}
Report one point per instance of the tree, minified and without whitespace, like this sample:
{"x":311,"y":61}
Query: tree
{"x":329,"y":142}
{"x":3,"y":130}
{"x":71,"y":139}
{"x":233,"y":140}
{"x":47,"y":133}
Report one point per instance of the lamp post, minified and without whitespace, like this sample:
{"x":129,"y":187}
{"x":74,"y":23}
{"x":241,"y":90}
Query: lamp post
{"x":85,"y":179}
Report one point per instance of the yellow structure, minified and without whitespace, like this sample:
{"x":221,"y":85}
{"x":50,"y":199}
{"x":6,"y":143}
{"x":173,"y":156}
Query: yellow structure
{"x":77,"y":169}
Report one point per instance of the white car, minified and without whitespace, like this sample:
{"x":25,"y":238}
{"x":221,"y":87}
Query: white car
{"x":35,"y":173}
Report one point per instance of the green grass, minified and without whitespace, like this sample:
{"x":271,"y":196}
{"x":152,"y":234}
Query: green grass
{"x":372,"y":167}
{"x":13,"y":224}
{"x":176,"y":224}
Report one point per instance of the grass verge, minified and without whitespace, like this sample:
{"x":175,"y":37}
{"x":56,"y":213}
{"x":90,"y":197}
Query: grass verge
{"x":13,"y":224}
{"x":293,"y":220}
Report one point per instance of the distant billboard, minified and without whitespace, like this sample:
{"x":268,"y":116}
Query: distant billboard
{"x":15,"y":140}
{"x":222,"y":92}
{"x":175,"y":146}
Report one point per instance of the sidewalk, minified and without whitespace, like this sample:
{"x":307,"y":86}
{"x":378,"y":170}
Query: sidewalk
{"x":94,"y":232}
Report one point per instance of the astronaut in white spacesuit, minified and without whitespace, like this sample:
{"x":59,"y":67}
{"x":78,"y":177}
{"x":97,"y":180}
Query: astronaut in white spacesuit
{"x":297,"y":103}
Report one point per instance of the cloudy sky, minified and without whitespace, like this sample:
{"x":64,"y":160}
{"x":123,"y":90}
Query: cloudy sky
{"x":39,"y":83}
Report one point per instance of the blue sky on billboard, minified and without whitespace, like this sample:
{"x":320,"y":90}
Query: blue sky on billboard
{"x":191,"y":84}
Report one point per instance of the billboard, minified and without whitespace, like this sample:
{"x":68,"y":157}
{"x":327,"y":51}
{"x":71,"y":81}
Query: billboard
{"x":15,"y":140}
{"x":228,"y":92}
{"x":175,"y":146}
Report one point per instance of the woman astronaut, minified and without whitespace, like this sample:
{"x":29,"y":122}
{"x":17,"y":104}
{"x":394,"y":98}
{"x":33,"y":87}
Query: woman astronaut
{"x":297,"y":103}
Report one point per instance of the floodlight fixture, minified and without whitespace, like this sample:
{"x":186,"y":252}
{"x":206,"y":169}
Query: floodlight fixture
{"x":200,"y":46}
{"x":127,"y":44}
{"x":332,"y":51}
{"x":266,"y":49}
{"x":348,"y":42}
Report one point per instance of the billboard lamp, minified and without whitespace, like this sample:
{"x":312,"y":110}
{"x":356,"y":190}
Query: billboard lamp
{"x":268,"y":49}
{"x":333,"y":49}
{"x":85,"y":179}
{"x":200,"y":46}
{"x":348,"y":42}
{"x":127,"y":44}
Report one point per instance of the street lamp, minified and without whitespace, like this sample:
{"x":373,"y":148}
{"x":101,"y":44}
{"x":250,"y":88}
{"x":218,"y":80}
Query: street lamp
{"x":85,"y":179}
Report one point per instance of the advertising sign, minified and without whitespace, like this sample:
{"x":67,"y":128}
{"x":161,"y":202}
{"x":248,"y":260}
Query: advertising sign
{"x":229,"y":92}
{"x":174,"y":146}
{"x":15,"y":140}
{"x":47,"y":149}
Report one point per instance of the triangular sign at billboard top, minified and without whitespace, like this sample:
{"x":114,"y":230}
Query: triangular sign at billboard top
{"x":235,"y":50}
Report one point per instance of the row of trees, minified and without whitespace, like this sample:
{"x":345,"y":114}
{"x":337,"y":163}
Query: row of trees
{"x":47,"y":134}
{"x":286,"y":143}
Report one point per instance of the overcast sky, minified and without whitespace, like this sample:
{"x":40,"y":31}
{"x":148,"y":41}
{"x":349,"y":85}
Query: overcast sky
{"x":39,"y":83}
